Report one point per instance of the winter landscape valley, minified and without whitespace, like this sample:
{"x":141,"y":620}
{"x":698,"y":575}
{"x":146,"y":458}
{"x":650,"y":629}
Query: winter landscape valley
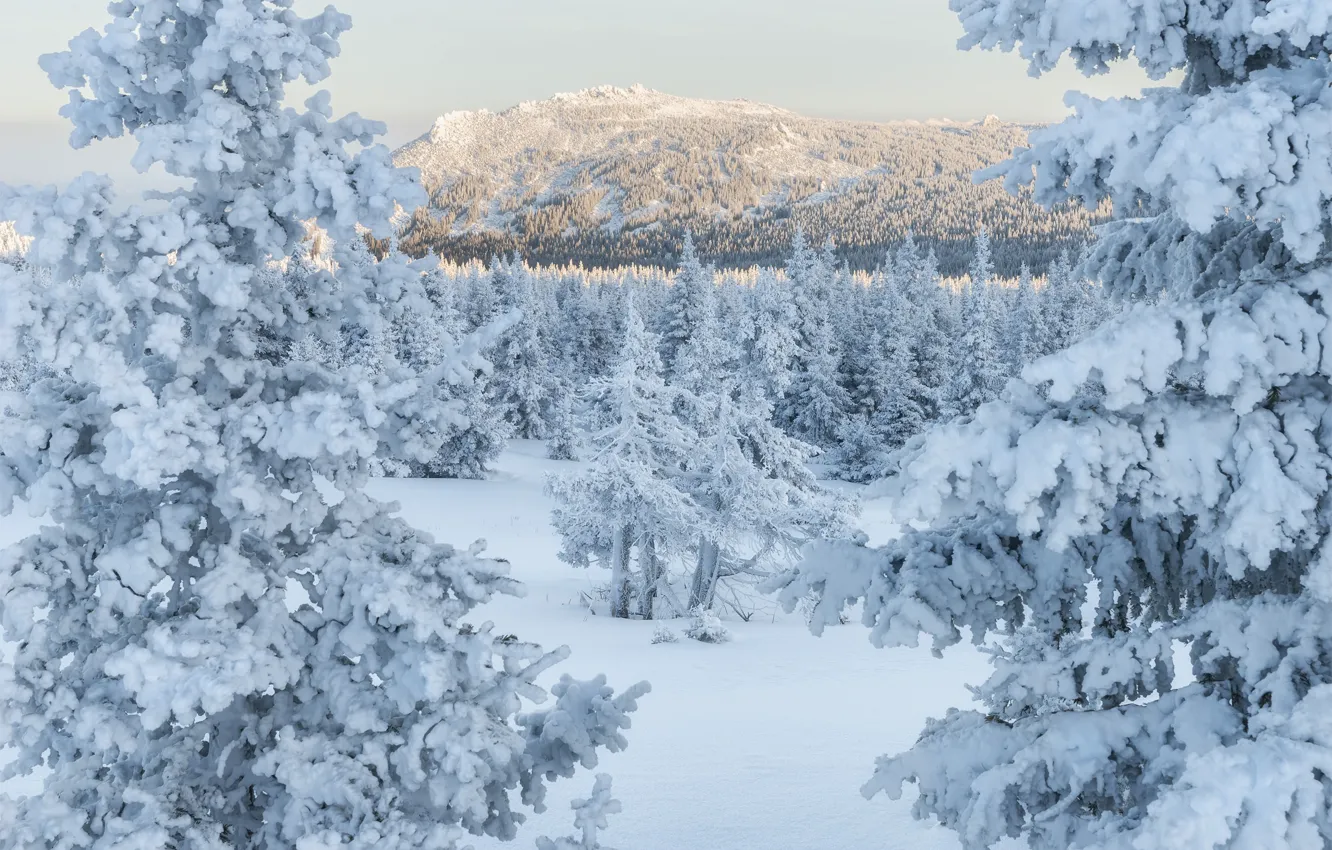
{"x":626,"y":469}
{"x":704,"y":738}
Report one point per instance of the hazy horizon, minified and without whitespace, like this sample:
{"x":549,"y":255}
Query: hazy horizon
{"x":409,"y":61}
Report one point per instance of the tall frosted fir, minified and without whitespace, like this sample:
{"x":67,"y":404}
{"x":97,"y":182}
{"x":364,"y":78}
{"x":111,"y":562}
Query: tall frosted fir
{"x":1161,"y":486}
{"x":207,"y":653}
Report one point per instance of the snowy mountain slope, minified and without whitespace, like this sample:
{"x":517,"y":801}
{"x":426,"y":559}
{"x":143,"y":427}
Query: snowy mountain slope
{"x":608,"y":176}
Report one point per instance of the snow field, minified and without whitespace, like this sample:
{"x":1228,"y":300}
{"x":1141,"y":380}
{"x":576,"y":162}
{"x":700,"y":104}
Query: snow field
{"x":761,"y":743}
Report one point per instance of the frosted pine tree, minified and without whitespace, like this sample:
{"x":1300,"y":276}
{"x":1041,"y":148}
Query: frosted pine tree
{"x":20,"y":366}
{"x":1026,"y":328}
{"x":475,"y":433}
{"x":758,"y":502}
{"x":899,"y":416}
{"x":1060,"y":306}
{"x":928,"y":323}
{"x":859,"y":443}
{"x":629,"y":501}
{"x":860,"y":450}
{"x":773,"y":340}
{"x":479,"y":432}
{"x":523,"y":384}
{"x":867,"y":441}
{"x":691,"y":299}
{"x":480,"y":304}
{"x":816,"y":404}
{"x":565,"y":441}
{"x":207,"y":652}
{"x":901,"y":411}
{"x":705,"y":366}
{"x":977,"y":373}
{"x":866,"y":374}
{"x":1157,"y":493}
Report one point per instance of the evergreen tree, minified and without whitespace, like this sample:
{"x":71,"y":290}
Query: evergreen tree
{"x":977,"y":375}
{"x":866,"y":373}
{"x":816,"y":404}
{"x":203,"y":652}
{"x":630,"y":498}
{"x":1060,"y":308}
{"x":705,"y":365}
{"x":758,"y":502}
{"x":481,"y":303}
{"x":523,"y":384}
{"x":889,"y":387}
{"x":565,"y":440}
{"x":861,"y":450}
{"x":1157,"y":495}
{"x":773,"y":340}
{"x":477,"y":432}
{"x":691,"y":300}
{"x":1026,"y":329}
{"x":930,"y":326}
{"x":12,"y":245}
{"x":899,"y":416}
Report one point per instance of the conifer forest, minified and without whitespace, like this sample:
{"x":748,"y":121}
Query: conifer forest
{"x":331,"y":518}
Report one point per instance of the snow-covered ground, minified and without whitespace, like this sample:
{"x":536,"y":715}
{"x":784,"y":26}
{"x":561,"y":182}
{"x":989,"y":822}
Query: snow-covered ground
{"x":761,"y":743}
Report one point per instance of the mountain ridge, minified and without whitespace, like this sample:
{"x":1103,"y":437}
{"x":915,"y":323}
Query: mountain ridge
{"x":611,"y":176}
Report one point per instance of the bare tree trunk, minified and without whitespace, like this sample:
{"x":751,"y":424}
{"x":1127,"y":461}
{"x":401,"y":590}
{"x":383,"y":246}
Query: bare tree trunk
{"x":620,"y":591}
{"x":652,"y":574}
{"x":705,"y":575}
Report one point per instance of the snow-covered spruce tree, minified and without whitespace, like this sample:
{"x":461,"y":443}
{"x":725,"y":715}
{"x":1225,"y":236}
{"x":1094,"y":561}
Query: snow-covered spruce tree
{"x":867,"y":443}
{"x":205,"y":652}
{"x":861,"y":327}
{"x":1163,"y":485}
{"x":477,"y":431}
{"x":523,"y":382}
{"x":1060,"y":306}
{"x":860,"y":450}
{"x":816,"y":404}
{"x":705,"y":366}
{"x":1025,"y":330}
{"x":630,"y":500}
{"x":565,"y":441}
{"x":901,"y":413}
{"x":691,"y":299}
{"x":772,"y":342}
{"x":757,"y":502}
{"x":20,"y":367}
{"x":480,"y":304}
{"x":927,"y":325}
{"x":870,"y":383}
{"x":978,"y":364}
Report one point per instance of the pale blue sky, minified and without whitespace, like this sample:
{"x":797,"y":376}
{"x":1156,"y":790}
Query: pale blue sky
{"x":407,"y":61}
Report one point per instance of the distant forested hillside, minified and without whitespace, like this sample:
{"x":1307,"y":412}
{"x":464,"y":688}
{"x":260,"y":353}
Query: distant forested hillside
{"x":613,"y":177}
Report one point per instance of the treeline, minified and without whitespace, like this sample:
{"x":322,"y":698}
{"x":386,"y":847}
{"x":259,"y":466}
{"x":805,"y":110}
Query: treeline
{"x":700,"y":398}
{"x":852,"y":363}
{"x":761,"y":240}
